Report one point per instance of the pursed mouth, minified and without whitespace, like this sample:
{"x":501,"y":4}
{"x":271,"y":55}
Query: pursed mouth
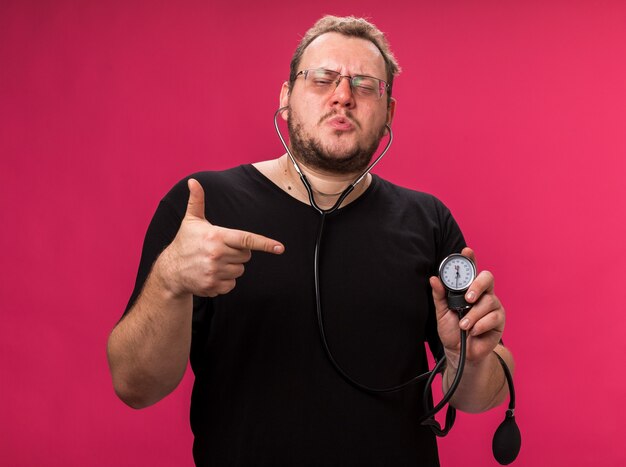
{"x":341,"y":122}
{"x":336,"y":119}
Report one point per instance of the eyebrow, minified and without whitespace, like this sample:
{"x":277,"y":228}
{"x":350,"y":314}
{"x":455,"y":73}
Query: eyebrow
{"x":351,"y":74}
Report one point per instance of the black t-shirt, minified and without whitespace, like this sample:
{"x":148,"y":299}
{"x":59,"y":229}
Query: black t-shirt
{"x":265,"y":392}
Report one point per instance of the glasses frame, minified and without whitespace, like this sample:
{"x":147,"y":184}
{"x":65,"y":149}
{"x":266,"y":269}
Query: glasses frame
{"x":382,"y":89}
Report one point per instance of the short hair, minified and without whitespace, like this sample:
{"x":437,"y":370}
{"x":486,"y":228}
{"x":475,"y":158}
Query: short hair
{"x":349,"y":26}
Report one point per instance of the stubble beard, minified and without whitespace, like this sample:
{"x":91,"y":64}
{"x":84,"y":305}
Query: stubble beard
{"x":310,"y":151}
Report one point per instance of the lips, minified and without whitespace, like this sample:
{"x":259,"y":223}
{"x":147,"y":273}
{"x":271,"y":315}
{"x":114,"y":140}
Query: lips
{"x":340,"y":123}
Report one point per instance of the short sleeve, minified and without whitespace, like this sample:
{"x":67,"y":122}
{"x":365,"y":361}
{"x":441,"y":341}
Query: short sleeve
{"x":450,"y":240}
{"x":161,"y":232}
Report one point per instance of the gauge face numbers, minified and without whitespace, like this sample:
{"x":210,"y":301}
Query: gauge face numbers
{"x":457,"y":272}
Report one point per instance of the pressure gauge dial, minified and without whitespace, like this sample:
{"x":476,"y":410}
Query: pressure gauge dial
{"x":457,"y":273}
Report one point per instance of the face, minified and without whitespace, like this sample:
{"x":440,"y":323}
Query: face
{"x":337,"y":132}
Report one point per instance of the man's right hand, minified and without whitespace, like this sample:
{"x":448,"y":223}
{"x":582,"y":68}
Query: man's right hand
{"x":205,"y":259}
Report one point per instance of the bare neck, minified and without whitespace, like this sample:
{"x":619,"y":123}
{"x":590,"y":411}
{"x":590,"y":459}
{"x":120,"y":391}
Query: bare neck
{"x":327,"y":187}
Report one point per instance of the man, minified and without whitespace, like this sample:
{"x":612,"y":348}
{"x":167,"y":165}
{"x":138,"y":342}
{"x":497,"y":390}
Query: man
{"x":265,"y":391}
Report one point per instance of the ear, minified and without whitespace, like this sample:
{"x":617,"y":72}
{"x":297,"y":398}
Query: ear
{"x":284,"y":99}
{"x":391,"y":110}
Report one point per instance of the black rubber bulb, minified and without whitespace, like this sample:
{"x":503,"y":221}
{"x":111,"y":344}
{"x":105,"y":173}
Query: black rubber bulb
{"x":507,"y":440}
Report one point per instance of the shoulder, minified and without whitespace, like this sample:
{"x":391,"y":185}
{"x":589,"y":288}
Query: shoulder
{"x":230,"y":195}
{"x":408,"y":197}
{"x":211,"y":181}
{"x":425,"y":213}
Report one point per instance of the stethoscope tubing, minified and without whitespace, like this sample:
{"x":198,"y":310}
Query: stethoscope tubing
{"x":428,"y":417}
{"x":318,"y":244}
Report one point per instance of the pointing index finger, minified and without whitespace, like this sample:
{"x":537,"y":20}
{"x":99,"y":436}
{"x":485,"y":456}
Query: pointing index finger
{"x":242,"y":240}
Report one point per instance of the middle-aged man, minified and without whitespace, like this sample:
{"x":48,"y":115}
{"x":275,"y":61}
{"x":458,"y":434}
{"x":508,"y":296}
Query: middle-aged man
{"x":265,"y":391}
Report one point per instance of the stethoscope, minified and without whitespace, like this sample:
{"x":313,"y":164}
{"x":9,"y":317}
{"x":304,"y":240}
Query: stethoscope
{"x":507,"y":439}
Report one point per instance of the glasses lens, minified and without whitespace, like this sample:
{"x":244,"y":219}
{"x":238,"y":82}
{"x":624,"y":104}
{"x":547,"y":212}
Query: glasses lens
{"x":366,"y":86}
{"x":321,"y":80}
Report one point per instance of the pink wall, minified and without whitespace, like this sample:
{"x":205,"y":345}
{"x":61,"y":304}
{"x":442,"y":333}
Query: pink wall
{"x":104,"y":105}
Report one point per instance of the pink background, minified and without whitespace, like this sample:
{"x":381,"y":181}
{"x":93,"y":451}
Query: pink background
{"x":513,"y":113}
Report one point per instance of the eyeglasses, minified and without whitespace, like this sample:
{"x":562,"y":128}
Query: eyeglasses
{"x":321,"y":81}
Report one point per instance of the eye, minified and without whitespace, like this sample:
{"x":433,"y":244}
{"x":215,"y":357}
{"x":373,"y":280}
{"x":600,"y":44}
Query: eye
{"x":365,"y":85}
{"x":322,"y":77}
{"x":322,"y":81}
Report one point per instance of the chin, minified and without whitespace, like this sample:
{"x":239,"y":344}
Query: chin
{"x":338,"y":151}
{"x":343,"y":163}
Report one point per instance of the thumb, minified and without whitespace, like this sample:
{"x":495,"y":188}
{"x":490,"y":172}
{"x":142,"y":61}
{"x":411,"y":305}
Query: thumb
{"x":195,"y":205}
{"x":469,"y":253}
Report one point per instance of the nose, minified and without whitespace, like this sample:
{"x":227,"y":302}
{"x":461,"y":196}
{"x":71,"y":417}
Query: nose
{"x":343,"y":95}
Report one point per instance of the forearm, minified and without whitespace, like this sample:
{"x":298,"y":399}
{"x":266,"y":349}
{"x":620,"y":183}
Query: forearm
{"x":149,"y":349}
{"x":483,"y":385}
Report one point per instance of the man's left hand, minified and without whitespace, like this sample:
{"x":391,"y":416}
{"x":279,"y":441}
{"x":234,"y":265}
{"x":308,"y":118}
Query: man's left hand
{"x":484,"y":322}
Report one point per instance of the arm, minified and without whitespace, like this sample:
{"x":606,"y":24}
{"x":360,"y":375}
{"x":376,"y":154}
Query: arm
{"x":483,"y":384}
{"x":149,"y":348}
